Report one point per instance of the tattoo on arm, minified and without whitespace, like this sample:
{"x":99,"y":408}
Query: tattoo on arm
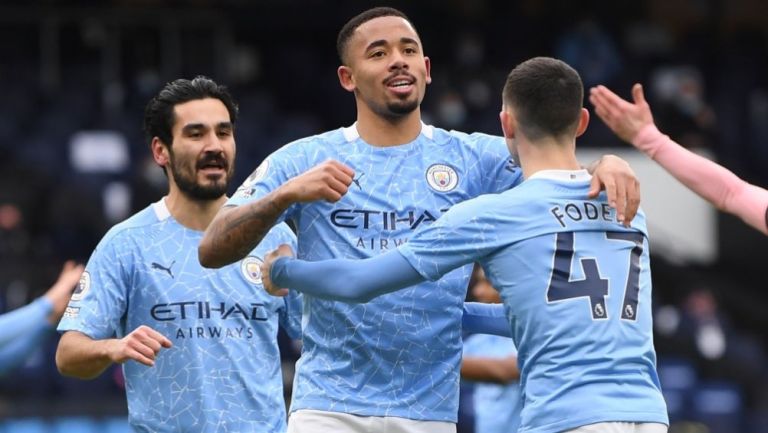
{"x":242,"y":228}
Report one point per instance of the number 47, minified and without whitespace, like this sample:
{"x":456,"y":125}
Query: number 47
{"x":561,"y":287}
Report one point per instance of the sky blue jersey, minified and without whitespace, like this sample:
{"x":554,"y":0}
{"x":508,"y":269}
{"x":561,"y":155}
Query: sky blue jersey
{"x":399,"y":354}
{"x":497,"y":406}
{"x":577,"y":288}
{"x":223,"y":372}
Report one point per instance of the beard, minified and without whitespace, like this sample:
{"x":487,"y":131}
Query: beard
{"x":186,"y":178}
{"x":401,"y":108}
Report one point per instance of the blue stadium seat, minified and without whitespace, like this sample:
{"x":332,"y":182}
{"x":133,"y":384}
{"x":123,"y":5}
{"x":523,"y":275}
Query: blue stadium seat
{"x":24,"y":425}
{"x":79,"y":424}
{"x":719,"y":405}
{"x":678,"y":379}
{"x":115,"y":425}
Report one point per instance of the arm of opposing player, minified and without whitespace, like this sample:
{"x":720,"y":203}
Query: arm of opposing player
{"x":81,"y":356}
{"x":709,"y":180}
{"x":346,"y":280}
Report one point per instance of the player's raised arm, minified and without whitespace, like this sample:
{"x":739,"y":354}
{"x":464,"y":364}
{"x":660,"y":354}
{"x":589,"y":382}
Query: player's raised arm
{"x":236,"y":230}
{"x":633,"y":123}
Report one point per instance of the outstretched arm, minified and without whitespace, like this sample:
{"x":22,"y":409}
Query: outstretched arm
{"x":338,"y":279}
{"x":21,"y":330}
{"x":633,"y":123}
{"x":235,"y":231}
{"x":495,"y":370}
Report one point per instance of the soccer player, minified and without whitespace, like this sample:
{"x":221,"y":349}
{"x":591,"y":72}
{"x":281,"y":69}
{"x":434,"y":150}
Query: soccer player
{"x":21,"y":330}
{"x":392,"y":363}
{"x":490,"y":361}
{"x":575,"y":282}
{"x":633,"y":123}
{"x":198,"y":347}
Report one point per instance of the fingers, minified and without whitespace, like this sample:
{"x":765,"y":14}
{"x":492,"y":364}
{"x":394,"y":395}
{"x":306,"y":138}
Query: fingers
{"x":633,"y":201}
{"x":142,"y":345}
{"x":283,"y":250}
{"x":637,"y":94}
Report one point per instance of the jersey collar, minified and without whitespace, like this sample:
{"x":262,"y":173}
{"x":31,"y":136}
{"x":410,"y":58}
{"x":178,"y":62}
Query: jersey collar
{"x":351,"y":134}
{"x":161,"y":209}
{"x":563,"y":175}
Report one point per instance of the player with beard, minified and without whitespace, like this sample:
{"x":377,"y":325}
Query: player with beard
{"x":389,"y":365}
{"x":198,"y":346}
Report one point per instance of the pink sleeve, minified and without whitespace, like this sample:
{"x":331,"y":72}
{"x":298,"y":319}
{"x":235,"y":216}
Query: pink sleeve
{"x":711,"y":181}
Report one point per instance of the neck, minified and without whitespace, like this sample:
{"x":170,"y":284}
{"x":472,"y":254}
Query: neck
{"x":192,"y":214}
{"x":386,"y":132}
{"x":547,"y":154}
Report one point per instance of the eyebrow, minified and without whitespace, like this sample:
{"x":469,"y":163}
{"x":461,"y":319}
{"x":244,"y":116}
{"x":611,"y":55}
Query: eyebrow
{"x":381,"y":42}
{"x":192,"y":126}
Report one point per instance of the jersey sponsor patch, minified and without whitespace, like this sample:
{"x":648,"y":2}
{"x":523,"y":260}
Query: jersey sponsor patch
{"x":442,"y":177}
{"x":251,"y":268}
{"x":82,"y":287}
{"x":72,"y":312}
{"x":257,"y":174}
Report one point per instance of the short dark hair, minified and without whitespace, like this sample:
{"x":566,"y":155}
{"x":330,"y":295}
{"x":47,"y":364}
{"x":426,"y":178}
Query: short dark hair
{"x":547,"y":96}
{"x":349,"y":28}
{"x":159,"y":114}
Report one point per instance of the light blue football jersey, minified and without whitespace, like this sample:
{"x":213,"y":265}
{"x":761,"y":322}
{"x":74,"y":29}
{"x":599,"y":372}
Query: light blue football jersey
{"x":577,"y":288}
{"x":223,"y":372}
{"x":399,"y":354}
{"x":497,"y":406}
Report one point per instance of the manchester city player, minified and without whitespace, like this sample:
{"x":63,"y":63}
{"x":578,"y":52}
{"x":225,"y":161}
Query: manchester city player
{"x":575,"y":282}
{"x":198,"y":347}
{"x":355,"y":192}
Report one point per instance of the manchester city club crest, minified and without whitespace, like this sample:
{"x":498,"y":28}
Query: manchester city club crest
{"x":442,"y":177}
{"x":251,"y":267}
{"x":82,"y":287}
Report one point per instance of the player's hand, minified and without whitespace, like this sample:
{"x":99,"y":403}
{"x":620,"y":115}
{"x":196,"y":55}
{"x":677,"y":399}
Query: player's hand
{"x":142,"y":345}
{"x":61,"y":290}
{"x":615,"y":176}
{"x":328,"y":181}
{"x":624,"y":118}
{"x":266,"y":267}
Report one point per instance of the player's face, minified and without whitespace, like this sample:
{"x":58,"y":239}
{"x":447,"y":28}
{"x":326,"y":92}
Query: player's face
{"x":203,"y":151}
{"x":386,"y":66}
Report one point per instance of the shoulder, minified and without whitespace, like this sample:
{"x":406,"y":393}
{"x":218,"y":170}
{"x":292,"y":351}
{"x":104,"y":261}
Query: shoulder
{"x":137,"y":223}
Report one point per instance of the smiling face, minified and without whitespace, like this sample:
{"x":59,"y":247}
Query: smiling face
{"x":385,"y":67}
{"x":201,"y":157}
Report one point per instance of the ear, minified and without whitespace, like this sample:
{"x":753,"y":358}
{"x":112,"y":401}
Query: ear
{"x":160,"y":152}
{"x":508,"y":124}
{"x":346,"y":79}
{"x":428,"y":65}
{"x":583,"y":122}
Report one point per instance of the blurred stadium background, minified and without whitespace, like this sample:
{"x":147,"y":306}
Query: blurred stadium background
{"x":75,"y":76}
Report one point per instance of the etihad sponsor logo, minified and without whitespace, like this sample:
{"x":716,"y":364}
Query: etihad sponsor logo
{"x":369,"y":219}
{"x":196,"y":310}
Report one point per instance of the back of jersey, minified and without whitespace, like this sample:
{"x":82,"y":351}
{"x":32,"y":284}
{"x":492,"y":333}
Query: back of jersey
{"x":577,"y":286}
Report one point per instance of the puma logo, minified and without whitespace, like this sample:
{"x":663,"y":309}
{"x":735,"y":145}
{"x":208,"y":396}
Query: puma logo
{"x":357,"y":181}
{"x":160,"y":267}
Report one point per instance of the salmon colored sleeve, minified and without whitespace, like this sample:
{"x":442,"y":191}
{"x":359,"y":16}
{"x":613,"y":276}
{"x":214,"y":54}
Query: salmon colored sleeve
{"x":709,"y":180}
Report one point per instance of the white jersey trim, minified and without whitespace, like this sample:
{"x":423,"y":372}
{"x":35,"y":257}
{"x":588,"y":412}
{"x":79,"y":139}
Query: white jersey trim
{"x":563,"y":175}
{"x":161,"y":209}
{"x":351,"y":133}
